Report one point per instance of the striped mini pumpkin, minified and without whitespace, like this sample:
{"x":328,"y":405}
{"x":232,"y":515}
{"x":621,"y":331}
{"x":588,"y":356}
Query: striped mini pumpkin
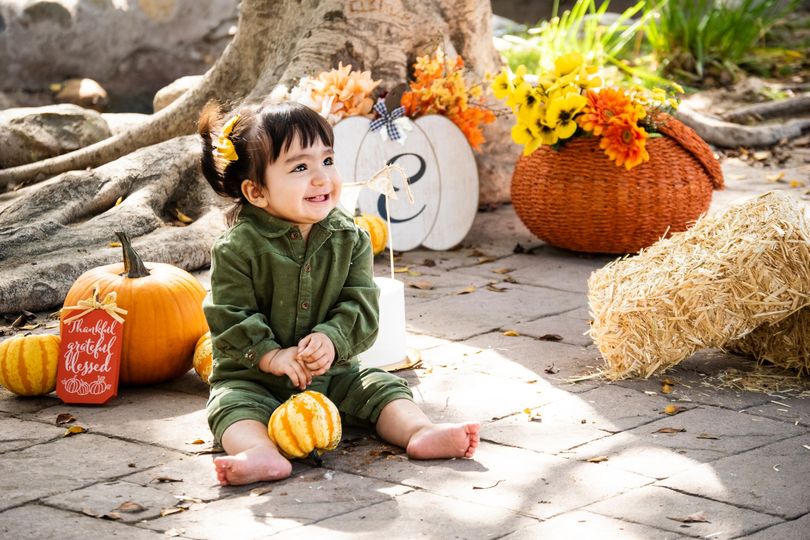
{"x":28,"y":364}
{"x":202,"y":361}
{"x":305,"y":423}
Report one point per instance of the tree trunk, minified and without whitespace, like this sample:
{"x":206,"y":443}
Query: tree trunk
{"x":51,"y":233}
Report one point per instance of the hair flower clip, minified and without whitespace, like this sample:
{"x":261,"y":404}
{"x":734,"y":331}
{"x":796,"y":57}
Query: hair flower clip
{"x":224,"y":146}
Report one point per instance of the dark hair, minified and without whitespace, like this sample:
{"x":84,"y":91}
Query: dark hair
{"x":258,"y":136}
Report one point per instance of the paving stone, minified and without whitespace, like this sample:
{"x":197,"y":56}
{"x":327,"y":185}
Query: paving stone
{"x":573,"y":420}
{"x":414,"y":515}
{"x":18,"y":433}
{"x":500,"y":230}
{"x":42,"y":522}
{"x":533,"y":484}
{"x":570,"y":328}
{"x":171,"y":419}
{"x":660,"y":455}
{"x":475,"y":396}
{"x":189,"y":383}
{"x":72,"y":463}
{"x":588,"y":525}
{"x":656,"y":506}
{"x":12,"y":403}
{"x":312,"y":496}
{"x":791,"y":530}
{"x":106,"y":498}
{"x":751,"y":479}
{"x":484,"y":310}
{"x":785,"y":408}
{"x":547,"y":266}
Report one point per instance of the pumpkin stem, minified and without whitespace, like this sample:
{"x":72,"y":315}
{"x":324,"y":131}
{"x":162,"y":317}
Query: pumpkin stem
{"x":133,"y":264}
{"x":316,"y":458}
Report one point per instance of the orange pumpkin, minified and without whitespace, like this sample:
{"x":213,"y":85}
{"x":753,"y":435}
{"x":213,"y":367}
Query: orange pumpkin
{"x":377,"y":230}
{"x":164,"y":319}
{"x":203,"y":357}
{"x":28,"y":364}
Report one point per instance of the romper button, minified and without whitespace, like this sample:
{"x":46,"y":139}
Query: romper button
{"x":305,"y":305}
{"x":295,"y":235}
{"x":307,"y":268}
{"x":250,"y":355}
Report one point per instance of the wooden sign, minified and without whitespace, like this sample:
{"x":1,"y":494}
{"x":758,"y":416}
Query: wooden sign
{"x":90,"y":352}
{"x":441,"y":171}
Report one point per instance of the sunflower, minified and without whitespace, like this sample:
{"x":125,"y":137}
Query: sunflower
{"x":625,"y":142}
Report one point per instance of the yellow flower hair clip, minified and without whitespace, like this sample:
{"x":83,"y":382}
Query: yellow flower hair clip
{"x":224,"y":146}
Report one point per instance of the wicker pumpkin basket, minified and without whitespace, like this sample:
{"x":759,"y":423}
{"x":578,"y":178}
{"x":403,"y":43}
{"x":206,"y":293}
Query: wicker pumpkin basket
{"x":576,"y":198}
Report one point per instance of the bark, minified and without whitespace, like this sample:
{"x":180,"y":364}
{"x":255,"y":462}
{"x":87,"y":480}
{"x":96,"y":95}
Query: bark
{"x":785,"y":108}
{"x":51,"y":232}
{"x":729,"y":135}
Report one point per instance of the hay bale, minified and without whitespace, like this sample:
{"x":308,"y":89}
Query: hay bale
{"x":785,"y":344}
{"x":729,"y":274}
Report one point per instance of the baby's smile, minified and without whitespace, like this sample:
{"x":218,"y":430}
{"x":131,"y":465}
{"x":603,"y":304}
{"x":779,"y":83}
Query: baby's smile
{"x":318,"y":198}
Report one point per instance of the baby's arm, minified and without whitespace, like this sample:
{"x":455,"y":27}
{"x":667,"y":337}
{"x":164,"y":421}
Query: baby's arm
{"x":351,"y":325}
{"x":283,"y":362}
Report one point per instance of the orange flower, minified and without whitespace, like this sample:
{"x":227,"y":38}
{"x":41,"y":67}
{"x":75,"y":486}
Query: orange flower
{"x":625,"y":142}
{"x":602,"y":107}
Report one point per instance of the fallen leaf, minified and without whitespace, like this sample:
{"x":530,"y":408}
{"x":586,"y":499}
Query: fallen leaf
{"x":197,"y":441}
{"x":670,"y":430}
{"x":172,"y":510}
{"x":551,"y":370}
{"x":88,"y":512}
{"x":550,"y":337}
{"x":73,"y":430}
{"x":421,"y":285}
{"x":650,"y":393}
{"x":673,"y":409}
{"x":19,"y":321}
{"x":181,"y":217}
{"x":112,"y":516}
{"x":30,"y":326}
{"x":762,"y":155}
{"x":401,"y":269}
{"x":707,"y":436}
{"x":484,"y":260}
{"x":503,"y":270}
{"x":114,"y":244}
{"x":666,"y":388}
{"x":489,"y":487}
{"x":494,"y":288}
{"x":165,"y":479}
{"x":796,"y":183}
{"x":130,"y":507}
{"x":259,"y":491}
{"x":52,"y":325}
{"x":64,"y":418}
{"x":511,"y":333}
{"x":598,"y":459}
{"x":698,"y":517}
{"x":414,"y":273}
{"x":120,"y":200}
{"x":468,"y":290}
{"x":775,"y":177}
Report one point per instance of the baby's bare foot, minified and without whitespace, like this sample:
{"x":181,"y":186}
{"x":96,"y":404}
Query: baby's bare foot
{"x":256,"y":464}
{"x":444,"y":441}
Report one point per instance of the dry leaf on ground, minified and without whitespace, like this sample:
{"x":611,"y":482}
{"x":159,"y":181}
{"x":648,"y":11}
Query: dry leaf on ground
{"x":64,"y":418}
{"x":511,"y":333}
{"x":697,"y":517}
{"x":670,"y":430}
{"x":259,"y":491}
{"x":421,"y":285}
{"x":468,"y":290}
{"x":673,"y":409}
{"x":550,"y":337}
{"x":598,"y":459}
{"x":74,"y":430}
{"x":130,"y":507}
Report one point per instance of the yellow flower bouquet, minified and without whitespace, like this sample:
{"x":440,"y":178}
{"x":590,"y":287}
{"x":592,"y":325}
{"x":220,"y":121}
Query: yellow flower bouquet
{"x":570,"y":100}
{"x":604,"y":169}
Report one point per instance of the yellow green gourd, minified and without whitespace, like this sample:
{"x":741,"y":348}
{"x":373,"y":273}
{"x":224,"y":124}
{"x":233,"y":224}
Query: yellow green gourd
{"x":28,"y":364}
{"x":307,"y":424}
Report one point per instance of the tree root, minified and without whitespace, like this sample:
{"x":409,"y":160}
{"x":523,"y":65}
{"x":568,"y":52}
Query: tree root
{"x":773,"y":109}
{"x":728,"y":135}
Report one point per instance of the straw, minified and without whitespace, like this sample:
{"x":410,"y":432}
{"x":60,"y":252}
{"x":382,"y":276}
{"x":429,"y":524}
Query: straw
{"x":730,"y":274}
{"x":785,"y":344}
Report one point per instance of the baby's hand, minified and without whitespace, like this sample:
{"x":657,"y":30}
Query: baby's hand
{"x":316,"y":352}
{"x":283,"y":362}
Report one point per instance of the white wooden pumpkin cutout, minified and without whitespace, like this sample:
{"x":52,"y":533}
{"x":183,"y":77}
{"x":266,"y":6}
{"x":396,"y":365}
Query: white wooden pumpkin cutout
{"x":442,"y":175}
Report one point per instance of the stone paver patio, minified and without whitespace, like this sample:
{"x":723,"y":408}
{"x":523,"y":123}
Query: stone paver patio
{"x":740,"y":467}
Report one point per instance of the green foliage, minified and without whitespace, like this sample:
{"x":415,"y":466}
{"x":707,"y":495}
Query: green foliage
{"x":691,"y":37}
{"x":579,"y":29}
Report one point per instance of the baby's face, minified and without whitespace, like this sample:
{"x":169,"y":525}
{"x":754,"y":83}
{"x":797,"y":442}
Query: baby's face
{"x":303,"y":185}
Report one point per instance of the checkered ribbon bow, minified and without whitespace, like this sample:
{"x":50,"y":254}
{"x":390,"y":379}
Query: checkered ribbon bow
{"x":387,"y":119}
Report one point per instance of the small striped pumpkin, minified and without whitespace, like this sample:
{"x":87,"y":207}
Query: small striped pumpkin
{"x":203,"y":357}
{"x":28,"y":364}
{"x":377,"y":230}
{"x":307,"y":424}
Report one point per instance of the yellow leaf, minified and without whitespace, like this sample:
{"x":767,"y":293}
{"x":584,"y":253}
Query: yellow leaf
{"x":414,"y":273}
{"x":73,"y":430}
{"x":169,"y":511}
{"x":197,"y":441}
{"x":796,"y":183}
{"x":673,"y":409}
{"x":114,"y":244}
{"x":598,"y":459}
{"x":666,"y":388}
{"x":422,"y":285}
{"x":775,"y":177}
{"x":120,"y":200}
{"x":503,"y":270}
{"x":468,"y":290}
{"x":511,"y":333}
{"x":182,"y":217}
{"x":55,"y":87}
{"x":401,"y":269}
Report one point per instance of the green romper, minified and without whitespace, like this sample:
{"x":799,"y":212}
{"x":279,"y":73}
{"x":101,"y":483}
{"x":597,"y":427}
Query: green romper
{"x":269,"y":289}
